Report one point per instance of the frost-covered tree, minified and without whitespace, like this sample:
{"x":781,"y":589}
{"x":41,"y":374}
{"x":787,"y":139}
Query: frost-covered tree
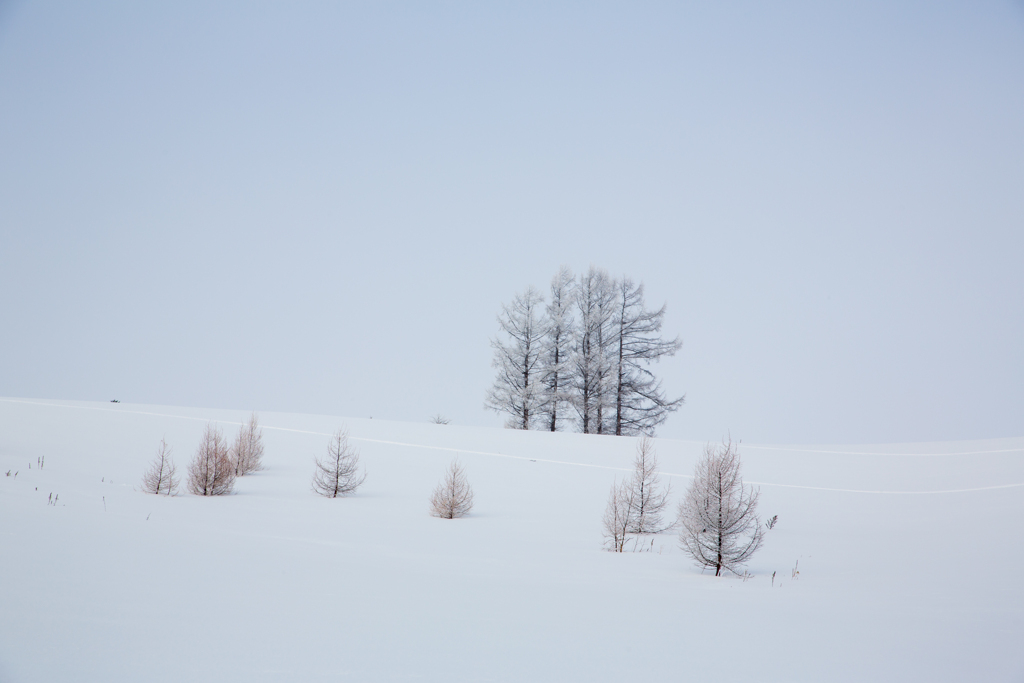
{"x":338,"y":473}
{"x":453,"y":497}
{"x":648,"y":499}
{"x":640,"y":403}
{"x":719,"y":526}
{"x":161,"y":477}
{"x":517,"y":389}
{"x":247,"y":451}
{"x":211,"y":472}
{"x":590,"y":371}
{"x":556,"y":350}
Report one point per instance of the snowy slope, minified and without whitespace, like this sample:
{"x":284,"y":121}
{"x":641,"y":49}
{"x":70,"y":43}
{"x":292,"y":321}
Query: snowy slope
{"x":909,"y":559}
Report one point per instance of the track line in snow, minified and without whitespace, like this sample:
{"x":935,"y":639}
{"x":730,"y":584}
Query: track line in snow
{"x":894,"y":493}
{"x":576,"y":464}
{"x":909,"y":455}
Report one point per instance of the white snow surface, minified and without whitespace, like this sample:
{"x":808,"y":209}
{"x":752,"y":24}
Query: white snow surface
{"x":909,"y":555}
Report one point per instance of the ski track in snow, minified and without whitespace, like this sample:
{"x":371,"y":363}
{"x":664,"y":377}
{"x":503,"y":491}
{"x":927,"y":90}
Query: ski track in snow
{"x":583,"y":464}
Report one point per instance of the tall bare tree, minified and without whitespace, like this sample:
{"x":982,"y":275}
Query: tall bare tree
{"x":247,"y":451}
{"x":211,"y":472}
{"x":556,"y":349}
{"x":338,"y":473}
{"x":453,"y":497}
{"x":591,"y":359}
{"x":161,"y":477}
{"x":517,"y":389}
{"x":640,"y":403}
{"x":719,"y":526}
{"x":648,"y":498}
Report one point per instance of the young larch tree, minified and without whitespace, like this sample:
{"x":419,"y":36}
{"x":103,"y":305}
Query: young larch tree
{"x":618,"y":516}
{"x":719,"y":526}
{"x":453,"y":496}
{"x":211,"y":472}
{"x":247,"y":451}
{"x":338,"y":473}
{"x":649,"y":498}
{"x":161,"y":477}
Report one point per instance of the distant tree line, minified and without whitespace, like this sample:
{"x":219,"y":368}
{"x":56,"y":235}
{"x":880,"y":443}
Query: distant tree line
{"x":583,"y":359}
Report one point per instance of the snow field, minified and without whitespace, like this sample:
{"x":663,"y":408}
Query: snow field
{"x":275,"y":583}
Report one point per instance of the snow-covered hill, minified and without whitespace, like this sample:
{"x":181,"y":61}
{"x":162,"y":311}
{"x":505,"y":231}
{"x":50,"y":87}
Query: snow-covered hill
{"x":909,"y":559}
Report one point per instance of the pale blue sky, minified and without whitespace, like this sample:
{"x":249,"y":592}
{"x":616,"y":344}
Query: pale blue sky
{"x":320,"y":207}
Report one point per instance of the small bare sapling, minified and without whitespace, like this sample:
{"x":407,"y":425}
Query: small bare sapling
{"x":618,"y":516}
{"x":247,"y":451}
{"x":161,"y":477}
{"x":453,"y":497}
{"x":439,"y":419}
{"x":647,"y":499}
{"x":771,"y":522}
{"x":211,"y":472}
{"x":338,"y":473}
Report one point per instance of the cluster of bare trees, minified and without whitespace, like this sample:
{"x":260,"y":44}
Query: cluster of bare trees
{"x":214,"y":467}
{"x":717,"y":519}
{"x":582,"y":359}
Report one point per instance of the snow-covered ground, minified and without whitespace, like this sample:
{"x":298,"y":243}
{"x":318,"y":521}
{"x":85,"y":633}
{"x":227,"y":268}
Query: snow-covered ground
{"x":910,"y":560}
